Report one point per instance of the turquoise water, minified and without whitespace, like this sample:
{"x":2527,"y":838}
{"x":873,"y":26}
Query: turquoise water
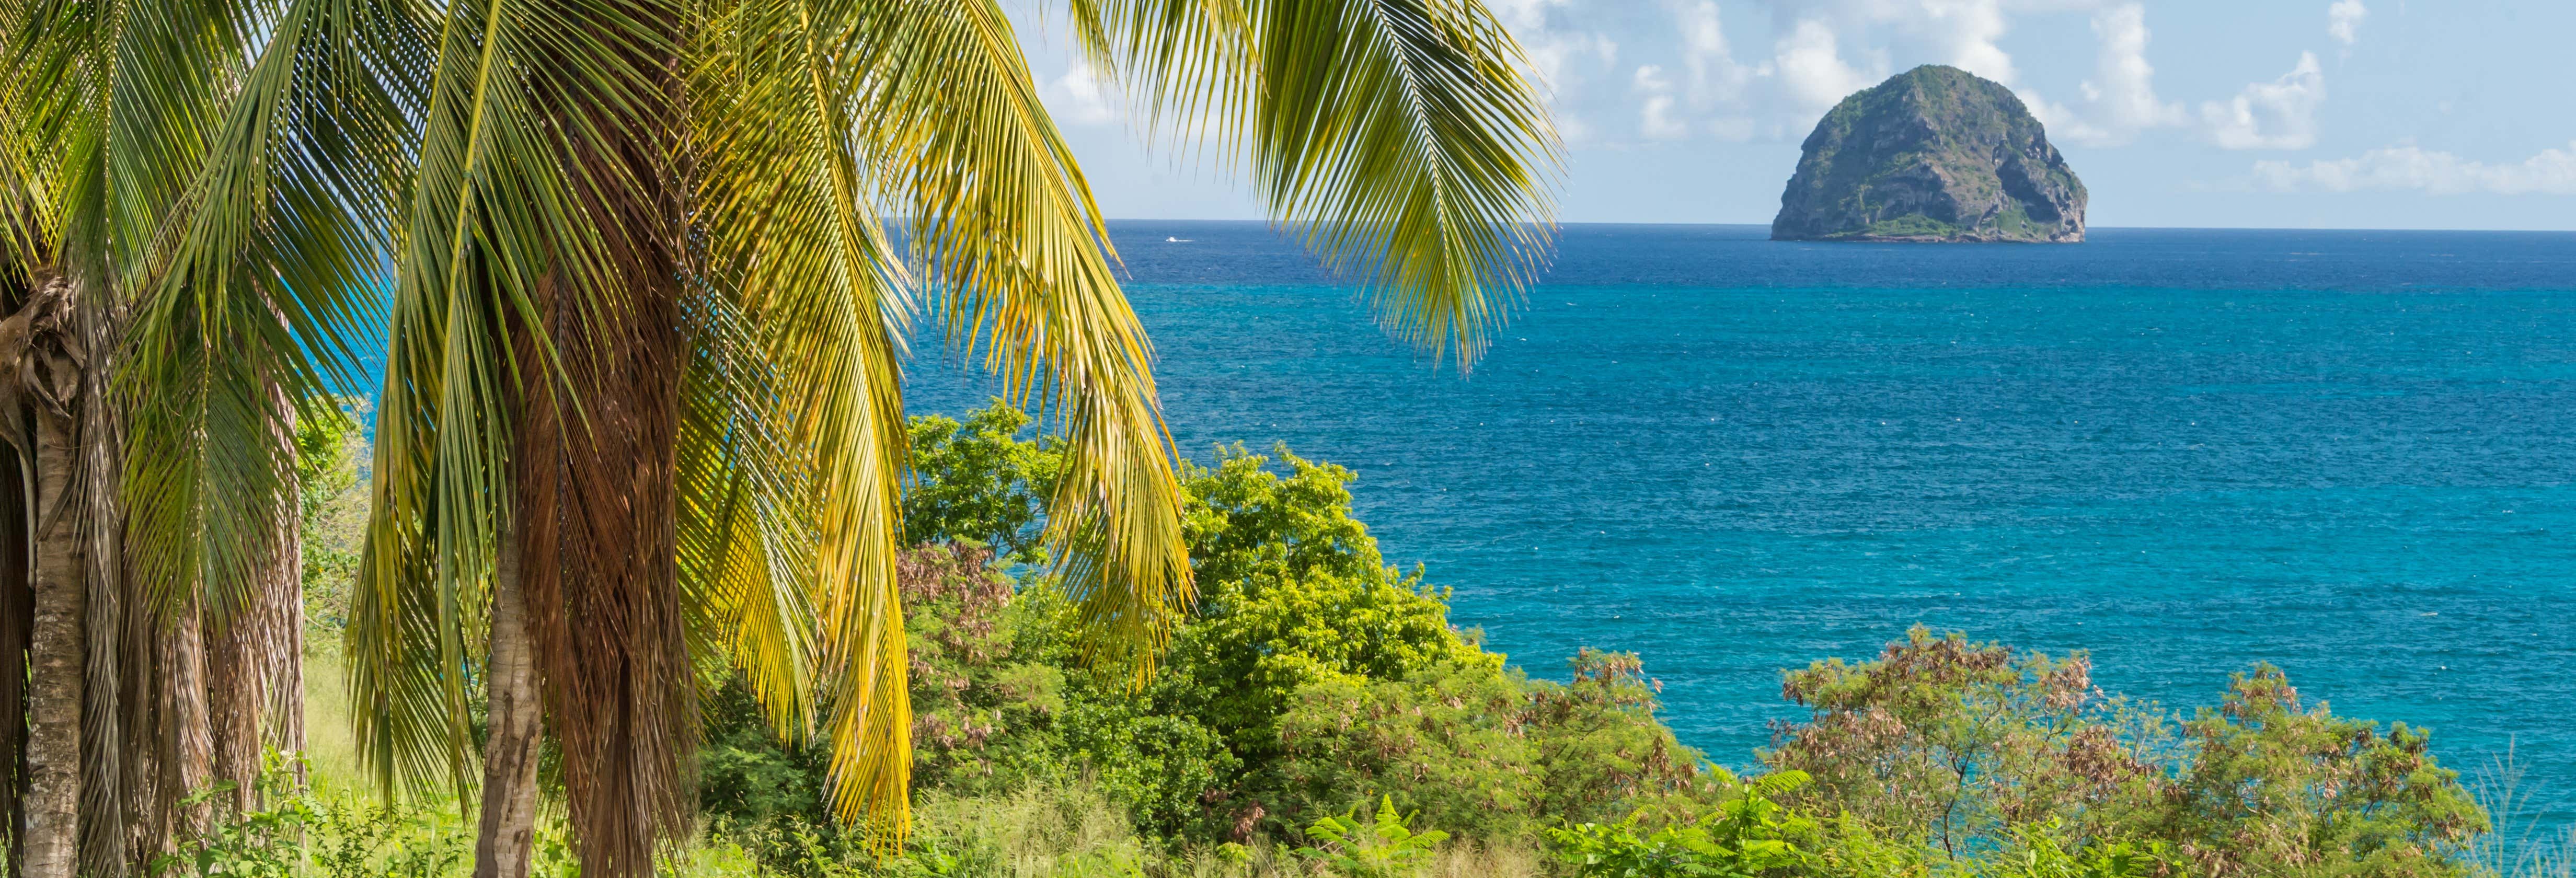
{"x":2350,"y":454}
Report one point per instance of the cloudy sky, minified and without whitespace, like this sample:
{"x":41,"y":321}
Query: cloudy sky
{"x":2212,"y":113}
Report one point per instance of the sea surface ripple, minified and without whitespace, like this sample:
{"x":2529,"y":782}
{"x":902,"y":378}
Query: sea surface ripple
{"x":2349,"y":454}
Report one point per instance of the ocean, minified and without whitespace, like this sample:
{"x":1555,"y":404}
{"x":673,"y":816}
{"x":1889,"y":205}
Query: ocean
{"x":2349,"y":454}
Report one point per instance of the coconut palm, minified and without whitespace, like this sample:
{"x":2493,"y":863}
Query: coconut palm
{"x":642,"y":413}
{"x":177,"y":261}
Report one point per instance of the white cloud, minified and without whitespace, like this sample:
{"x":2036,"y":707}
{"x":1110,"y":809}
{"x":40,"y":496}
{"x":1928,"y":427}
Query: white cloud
{"x":1569,"y":58}
{"x":2551,"y":172}
{"x":1714,"y":74}
{"x":1676,"y":70}
{"x":2281,"y":114}
{"x":1964,"y":34}
{"x":1812,"y":69}
{"x":1521,"y":15}
{"x":2120,"y":99}
{"x":2065,"y":125}
{"x":2122,"y":93}
{"x":2343,"y":20}
{"x":1656,"y":117}
{"x":2124,"y":84}
{"x":1080,"y":97}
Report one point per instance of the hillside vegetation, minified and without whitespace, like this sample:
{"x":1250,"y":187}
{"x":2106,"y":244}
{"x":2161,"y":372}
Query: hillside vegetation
{"x":1320,"y":716}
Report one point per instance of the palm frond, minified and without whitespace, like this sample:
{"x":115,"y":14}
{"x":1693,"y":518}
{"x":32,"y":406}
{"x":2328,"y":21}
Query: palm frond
{"x":1404,"y":140}
{"x":746,"y":549}
{"x":790,"y":228}
{"x":493,"y":212}
{"x":1014,"y":246}
{"x":269,"y":278}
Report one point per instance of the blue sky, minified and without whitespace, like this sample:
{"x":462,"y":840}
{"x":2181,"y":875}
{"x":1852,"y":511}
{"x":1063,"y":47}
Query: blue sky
{"x":2448,"y":114}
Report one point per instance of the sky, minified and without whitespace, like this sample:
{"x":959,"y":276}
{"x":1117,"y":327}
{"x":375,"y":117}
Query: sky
{"x":2431,"y":114}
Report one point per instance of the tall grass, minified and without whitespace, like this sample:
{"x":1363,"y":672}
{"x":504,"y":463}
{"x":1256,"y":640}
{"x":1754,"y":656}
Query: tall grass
{"x":2513,"y":847}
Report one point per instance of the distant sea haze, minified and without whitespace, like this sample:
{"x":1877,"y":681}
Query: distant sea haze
{"x":2350,"y":454}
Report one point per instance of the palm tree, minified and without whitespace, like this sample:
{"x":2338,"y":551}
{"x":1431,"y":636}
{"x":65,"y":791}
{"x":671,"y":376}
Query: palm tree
{"x":180,"y":253}
{"x":187,"y":256}
{"x":642,"y":411}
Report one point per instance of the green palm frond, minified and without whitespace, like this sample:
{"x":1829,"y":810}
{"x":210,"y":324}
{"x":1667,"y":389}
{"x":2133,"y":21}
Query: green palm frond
{"x":496,"y":210}
{"x":28,"y":223}
{"x":134,"y":91}
{"x":746,"y":546}
{"x":111,"y":109}
{"x":1014,"y":246}
{"x":1404,"y":140}
{"x":790,"y":227}
{"x":265,"y":282}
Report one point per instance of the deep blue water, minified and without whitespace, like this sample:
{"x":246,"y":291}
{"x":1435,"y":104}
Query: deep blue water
{"x":2350,"y":454}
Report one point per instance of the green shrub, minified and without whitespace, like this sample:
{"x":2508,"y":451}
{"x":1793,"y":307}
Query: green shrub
{"x":2036,"y":852}
{"x":1492,"y":753}
{"x":1245,"y":731}
{"x":1981,"y":755}
{"x":977,"y":480}
{"x":1604,"y":751}
{"x":1292,"y":592}
{"x":1954,"y":742}
{"x":1314,"y":681}
{"x":2275,"y":787}
{"x":1747,"y":835}
{"x":295,"y":833}
{"x":1384,"y":846}
{"x":1443,"y":742}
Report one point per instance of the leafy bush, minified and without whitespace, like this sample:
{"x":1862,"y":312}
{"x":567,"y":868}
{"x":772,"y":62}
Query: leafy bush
{"x":1980,"y":752}
{"x":1440,"y":741}
{"x":1492,"y":752}
{"x":2037,"y":853}
{"x":977,"y":480}
{"x":2273,"y":787}
{"x":297,"y":834}
{"x":1748,"y":835}
{"x":1956,"y":742}
{"x":1244,"y":732}
{"x":1385,"y":846}
{"x":1315,"y":683}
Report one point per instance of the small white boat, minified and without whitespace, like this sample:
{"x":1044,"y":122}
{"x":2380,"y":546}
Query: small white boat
{"x":1171,"y":240}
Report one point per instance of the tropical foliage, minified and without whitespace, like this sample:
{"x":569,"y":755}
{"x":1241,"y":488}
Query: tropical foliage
{"x":1318,"y":688}
{"x":653,"y":557}
{"x":643,"y":413}
{"x":641,"y":419}
{"x":182,"y":248}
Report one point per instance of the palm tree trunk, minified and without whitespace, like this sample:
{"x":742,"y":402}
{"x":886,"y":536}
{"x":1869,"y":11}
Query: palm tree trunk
{"x":236,"y":677}
{"x":56,"y":647}
{"x":254,"y":666}
{"x":17,"y":608}
{"x":101,"y":527}
{"x":41,"y":396}
{"x":191,"y":746}
{"x":508,"y":838}
{"x":283,"y":672}
{"x":287,"y":710}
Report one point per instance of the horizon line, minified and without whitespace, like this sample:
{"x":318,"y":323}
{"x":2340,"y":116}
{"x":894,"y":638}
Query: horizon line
{"x":2088,"y":229}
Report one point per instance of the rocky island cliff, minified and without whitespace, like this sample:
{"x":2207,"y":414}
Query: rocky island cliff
{"x":1932,"y":154}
